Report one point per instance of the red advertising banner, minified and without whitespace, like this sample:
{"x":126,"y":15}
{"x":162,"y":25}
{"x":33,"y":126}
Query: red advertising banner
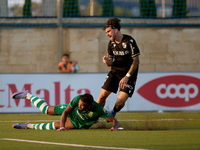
{"x":153,"y":92}
{"x":172,"y":91}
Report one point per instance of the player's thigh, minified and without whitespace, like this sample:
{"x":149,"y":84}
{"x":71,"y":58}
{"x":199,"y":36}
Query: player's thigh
{"x":104,"y":94}
{"x":68,"y":124}
{"x":122,"y":98}
{"x":50,"y":110}
{"x":58,"y":109}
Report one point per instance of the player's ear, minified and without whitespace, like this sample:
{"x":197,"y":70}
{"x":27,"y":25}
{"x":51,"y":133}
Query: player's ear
{"x":90,"y":105}
{"x":115,"y":30}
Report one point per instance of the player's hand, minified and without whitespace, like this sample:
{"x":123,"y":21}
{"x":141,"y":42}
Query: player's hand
{"x":105,"y":58}
{"x":74,"y":63}
{"x":123,"y":82}
{"x":61,"y":129}
{"x":113,"y":129}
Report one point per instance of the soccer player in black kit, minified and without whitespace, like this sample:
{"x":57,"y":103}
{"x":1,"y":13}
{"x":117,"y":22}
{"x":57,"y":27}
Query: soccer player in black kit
{"x":123,"y":57}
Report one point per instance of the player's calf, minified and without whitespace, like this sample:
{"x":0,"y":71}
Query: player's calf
{"x":40,"y":126}
{"x":39,"y":103}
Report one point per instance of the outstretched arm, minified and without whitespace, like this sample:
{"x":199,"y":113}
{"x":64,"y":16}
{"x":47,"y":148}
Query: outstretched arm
{"x":115,"y":123}
{"x":63,"y":118}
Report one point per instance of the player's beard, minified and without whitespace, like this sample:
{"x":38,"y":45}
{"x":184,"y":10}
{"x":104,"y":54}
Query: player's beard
{"x":113,"y":38}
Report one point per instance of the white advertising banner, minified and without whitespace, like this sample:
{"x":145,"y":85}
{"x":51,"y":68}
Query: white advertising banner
{"x":153,"y":91}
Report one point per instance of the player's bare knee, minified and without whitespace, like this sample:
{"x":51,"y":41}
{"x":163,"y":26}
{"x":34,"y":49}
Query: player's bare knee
{"x":50,"y":110}
{"x":57,"y":125}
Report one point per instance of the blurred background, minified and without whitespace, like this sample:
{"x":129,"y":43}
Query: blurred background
{"x":35,"y":33}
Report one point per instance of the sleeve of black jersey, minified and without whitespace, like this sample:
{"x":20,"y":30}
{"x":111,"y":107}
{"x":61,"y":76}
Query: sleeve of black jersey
{"x":110,"y":50}
{"x":134,"y":48}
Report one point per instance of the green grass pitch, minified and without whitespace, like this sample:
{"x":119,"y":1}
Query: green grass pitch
{"x":142,"y":130}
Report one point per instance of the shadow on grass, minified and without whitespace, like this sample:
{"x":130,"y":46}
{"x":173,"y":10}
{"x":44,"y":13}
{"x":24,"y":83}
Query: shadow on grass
{"x":146,"y":125}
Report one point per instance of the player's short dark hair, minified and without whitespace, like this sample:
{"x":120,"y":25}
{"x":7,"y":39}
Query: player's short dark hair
{"x":65,"y":55}
{"x":87,"y":98}
{"x":114,"y":23}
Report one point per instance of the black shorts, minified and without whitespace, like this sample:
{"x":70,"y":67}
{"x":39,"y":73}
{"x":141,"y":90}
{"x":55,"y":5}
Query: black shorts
{"x":112,"y":83}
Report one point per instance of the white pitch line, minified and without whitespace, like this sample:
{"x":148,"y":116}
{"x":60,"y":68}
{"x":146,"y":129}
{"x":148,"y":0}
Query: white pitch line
{"x":65,"y":144}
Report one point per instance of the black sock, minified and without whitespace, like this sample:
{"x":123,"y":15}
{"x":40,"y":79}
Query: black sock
{"x":115,"y":110}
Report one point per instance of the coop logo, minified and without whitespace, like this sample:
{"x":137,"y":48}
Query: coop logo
{"x":172,"y":91}
{"x":181,"y":91}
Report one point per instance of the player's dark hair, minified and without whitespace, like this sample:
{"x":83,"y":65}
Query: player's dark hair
{"x":65,"y":55}
{"x":114,"y":23}
{"x":87,"y":98}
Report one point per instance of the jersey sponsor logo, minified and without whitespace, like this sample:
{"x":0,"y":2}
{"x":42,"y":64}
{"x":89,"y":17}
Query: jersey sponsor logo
{"x":124,"y":45}
{"x":172,"y":91}
{"x":120,"y":53}
{"x":90,"y":114}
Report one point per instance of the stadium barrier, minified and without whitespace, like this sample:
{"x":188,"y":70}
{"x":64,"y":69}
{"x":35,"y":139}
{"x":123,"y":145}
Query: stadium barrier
{"x":49,"y":13}
{"x":154,"y":91}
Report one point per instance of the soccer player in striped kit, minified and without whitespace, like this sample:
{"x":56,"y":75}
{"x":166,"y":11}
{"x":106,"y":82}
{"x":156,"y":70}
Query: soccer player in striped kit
{"x":81,"y":113}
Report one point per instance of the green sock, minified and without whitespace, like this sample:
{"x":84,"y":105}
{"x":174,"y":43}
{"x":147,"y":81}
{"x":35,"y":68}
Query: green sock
{"x":39,"y":103}
{"x":44,"y":126}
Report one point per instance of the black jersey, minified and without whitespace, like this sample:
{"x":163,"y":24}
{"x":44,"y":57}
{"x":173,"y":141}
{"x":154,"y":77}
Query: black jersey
{"x":123,"y":53}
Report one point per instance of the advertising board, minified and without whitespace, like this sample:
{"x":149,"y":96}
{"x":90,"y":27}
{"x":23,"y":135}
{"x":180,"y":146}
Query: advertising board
{"x":153,"y":92}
